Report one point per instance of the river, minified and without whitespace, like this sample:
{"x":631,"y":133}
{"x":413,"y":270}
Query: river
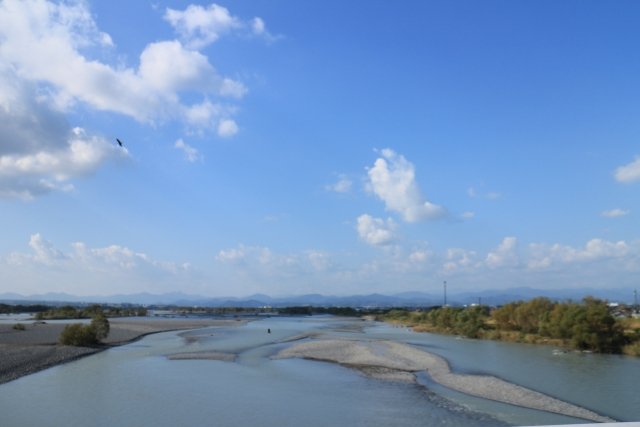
{"x":138,"y":385}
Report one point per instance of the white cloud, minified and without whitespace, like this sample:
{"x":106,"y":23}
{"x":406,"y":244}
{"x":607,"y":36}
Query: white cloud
{"x":376,"y":231}
{"x":200,"y":26}
{"x":261,"y":262}
{"x":41,"y":41}
{"x":232,"y":88}
{"x":458,"y":259}
{"x":321,"y":261}
{"x":629,"y":172}
{"x":504,"y":255}
{"x":259,"y":28}
{"x":233,"y":255}
{"x":39,"y":151}
{"x":419,"y":256}
{"x":343,"y":185}
{"x":89,"y":271}
{"x":227,"y":128}
{"x":392,"y":179}
{"x":44,"y":251}
{"x":615,"y":213}
{"x":491,"y":195}
{"x":46,"y":70}
{"x":544,"y":256}
{"x":468,"y":215}
{"x":190,"y":153}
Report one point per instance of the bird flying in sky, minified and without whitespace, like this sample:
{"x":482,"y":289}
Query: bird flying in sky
{"x":119,"y":142}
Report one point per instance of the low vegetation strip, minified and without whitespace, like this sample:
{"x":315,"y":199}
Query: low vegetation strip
{"x":588,"y":325}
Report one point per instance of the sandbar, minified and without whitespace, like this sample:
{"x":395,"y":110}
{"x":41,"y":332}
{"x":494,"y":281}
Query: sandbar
{"x":392,"y":360}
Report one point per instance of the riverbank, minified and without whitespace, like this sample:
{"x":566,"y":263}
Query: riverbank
{"x":34,"y":348}
{"x":399,"y":362}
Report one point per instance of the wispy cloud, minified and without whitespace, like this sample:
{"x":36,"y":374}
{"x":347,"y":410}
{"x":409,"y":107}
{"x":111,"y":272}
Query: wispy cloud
{"x":615,"y":213}
{"x":491,"y":195}
{"x":342,"y":185}
{"x":191,"y":154}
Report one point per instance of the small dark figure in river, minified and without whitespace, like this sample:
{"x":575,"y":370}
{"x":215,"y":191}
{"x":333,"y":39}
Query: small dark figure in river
{"x":269,"y":330}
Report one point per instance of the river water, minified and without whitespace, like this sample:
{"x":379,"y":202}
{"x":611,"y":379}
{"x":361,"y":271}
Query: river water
{"x":138,"y":385}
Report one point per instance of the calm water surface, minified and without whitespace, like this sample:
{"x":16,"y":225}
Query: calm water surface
{"x":137,"y":385}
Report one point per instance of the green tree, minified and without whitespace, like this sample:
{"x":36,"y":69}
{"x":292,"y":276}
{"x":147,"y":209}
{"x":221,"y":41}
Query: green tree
{"x":78,"y":335}
{"x":100,"y":325}
{"x":81,"y":335}
{"x":505,"y":316}
{"x":470,"y":321}
{"x":531,"y":316}
{"x":596,"y":329}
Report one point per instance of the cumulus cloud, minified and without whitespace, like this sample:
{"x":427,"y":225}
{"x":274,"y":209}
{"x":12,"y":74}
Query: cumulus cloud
{"x":615,"y":213}
{"x":199,"y":26}
{"x":44,"y":250}
{"x":191,"y":154}
{"x":83,"y":257}
{"x":86,"y":270}
{"x":504,"y":255}
{"x":544,"y":256}
{"x":227,"y":128}
{"x":41,"y":40}
{"x":39,"y":151}
{"x":263,"y":262}
{"x":419,"y":256}
{"x":376,"y":231}
{"x":629,"y":172}
{"x":458,"y":259}
{"x":46,"y":69}
{"x":392,"y":179}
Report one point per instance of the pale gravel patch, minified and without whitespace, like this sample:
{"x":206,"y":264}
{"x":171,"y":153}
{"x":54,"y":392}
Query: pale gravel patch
{"x":402,"y":357}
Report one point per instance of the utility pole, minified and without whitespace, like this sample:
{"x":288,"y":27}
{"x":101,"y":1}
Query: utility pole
{"x":445,"y":293}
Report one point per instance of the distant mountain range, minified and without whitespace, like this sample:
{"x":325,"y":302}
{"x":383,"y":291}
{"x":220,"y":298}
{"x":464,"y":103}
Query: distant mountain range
{"x":404,"y":299}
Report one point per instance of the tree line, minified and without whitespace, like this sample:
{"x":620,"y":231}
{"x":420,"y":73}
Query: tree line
{"x":587,"y":325}
{"x":71,"y":312}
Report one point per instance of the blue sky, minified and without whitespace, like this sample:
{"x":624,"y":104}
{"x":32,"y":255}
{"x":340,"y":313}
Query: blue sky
{"x":289,"y":147}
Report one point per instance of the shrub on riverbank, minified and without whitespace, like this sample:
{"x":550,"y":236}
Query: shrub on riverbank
{"x":584,"y":326}
{"x":81,"y":335}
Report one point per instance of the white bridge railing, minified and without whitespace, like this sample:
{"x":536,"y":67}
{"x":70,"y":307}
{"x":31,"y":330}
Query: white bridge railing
{"x":631,"y":424}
